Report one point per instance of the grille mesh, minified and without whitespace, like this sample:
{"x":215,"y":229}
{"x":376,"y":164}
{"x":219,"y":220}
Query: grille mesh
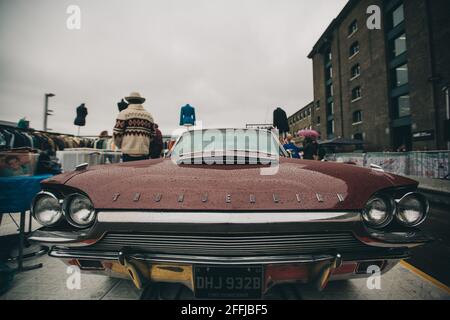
{"x":231,"y":245}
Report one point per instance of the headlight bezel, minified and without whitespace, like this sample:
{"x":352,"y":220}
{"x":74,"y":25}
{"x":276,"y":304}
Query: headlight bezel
{"x":34,"y":202}
{"x":422,"y":200}
{"x":390,"y":210}
{"x":66,"y":210}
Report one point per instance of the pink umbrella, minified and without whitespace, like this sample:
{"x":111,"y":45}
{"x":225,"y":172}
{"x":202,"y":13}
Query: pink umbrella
{"x":309,"y":133}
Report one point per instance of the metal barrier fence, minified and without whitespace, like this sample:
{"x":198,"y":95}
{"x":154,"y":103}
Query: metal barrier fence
{"x":424,"y":164}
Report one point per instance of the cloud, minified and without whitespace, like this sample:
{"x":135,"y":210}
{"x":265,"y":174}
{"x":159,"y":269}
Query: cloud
{"x":234,"y":60}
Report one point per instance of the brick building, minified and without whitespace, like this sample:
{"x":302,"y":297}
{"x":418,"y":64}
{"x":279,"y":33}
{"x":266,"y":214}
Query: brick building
{"x":386,"y":87}
{"x":302,"y":119}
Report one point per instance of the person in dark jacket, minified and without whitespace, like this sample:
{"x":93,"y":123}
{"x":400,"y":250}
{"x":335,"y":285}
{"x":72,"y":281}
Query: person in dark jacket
{"x":156,"y":146}
{"x":308,"y":149}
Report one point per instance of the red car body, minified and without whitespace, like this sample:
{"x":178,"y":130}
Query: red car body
{"x":159,"y":221}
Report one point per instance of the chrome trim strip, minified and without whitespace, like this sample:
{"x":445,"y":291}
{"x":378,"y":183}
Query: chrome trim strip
{"x":224,"y":217}
{"x":166,"y":258}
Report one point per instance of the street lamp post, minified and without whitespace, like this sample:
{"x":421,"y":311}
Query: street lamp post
{"x":46,"y":111}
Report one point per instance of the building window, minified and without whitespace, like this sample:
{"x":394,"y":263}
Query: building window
{"x":354,"y":49}
{"x":398,"y":16}
{"x":357,"y":116}
{"x":329,"y":73}
{"x":330,"y":108}
{"x":356,"y":71}
{"x":358,"y":136}
{"x":353,"y":27}
{"x":328,"y":56}
{"x":318,"y":120}
{"x":330,"y":90}
{"x":402,"y":106}
{"x":399,"y":45}
{"x":356,"y":93}
{"x":401,"y":75}
{"x":318,"y":104}
{"x":330,"y":128}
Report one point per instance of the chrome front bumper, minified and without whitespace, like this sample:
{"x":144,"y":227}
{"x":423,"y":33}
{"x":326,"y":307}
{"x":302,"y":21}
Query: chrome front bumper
{"x":143,"y":266}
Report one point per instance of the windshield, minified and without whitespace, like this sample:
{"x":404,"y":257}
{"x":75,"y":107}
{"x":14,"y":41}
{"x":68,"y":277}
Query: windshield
{"x":261,"y":142}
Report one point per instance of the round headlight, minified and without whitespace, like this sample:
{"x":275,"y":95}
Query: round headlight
{"x":412,"y":210}
{"x":378,"y":211}
{"x":46,"y":209}
{"x":80,"y":211}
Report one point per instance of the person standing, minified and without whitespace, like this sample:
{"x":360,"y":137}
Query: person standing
{"x":156,"y":146}
{"x":134,"y":129}
{"x":291,"y":147}
{"x":308,"y":149}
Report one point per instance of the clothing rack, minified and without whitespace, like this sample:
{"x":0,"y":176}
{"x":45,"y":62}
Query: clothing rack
{"x":5,"y":126}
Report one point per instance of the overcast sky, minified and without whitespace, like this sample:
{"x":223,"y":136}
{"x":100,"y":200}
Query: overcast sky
{"x":235,"y":61}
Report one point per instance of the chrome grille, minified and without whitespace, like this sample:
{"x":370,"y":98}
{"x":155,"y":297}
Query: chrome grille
{"x":231,"y":245}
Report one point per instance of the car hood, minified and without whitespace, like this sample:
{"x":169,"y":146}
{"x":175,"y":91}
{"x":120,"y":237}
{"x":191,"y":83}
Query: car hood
{"x":162,"y":185}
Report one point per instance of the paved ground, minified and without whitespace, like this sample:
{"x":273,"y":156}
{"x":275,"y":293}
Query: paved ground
{"x":50,"y":283}
{"x":434,"y":258}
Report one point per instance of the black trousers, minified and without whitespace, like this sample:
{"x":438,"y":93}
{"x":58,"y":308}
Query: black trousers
{"x":128,"y":158}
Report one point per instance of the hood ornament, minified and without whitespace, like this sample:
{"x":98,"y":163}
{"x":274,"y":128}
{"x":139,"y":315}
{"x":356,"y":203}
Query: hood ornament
{"x":82,"y":166}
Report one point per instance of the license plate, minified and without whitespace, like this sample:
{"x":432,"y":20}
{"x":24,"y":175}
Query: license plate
{"x":216,"y":282}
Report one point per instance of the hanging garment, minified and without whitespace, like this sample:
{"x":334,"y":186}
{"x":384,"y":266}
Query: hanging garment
{"x":122,"y":105}
{"x":2,"y":140}
{"x":8,"y":136}
{"x":280,"y":120}
{"x":187,"y":115}
{"x":30,"y":139}
{"x":82,"y":112}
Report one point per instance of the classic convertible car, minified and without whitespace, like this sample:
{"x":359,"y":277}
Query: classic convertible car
{"x":208,"y":217}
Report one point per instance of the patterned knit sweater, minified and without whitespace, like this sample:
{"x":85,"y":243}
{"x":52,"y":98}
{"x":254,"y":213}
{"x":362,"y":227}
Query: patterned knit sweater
{"x":134,"y":130}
